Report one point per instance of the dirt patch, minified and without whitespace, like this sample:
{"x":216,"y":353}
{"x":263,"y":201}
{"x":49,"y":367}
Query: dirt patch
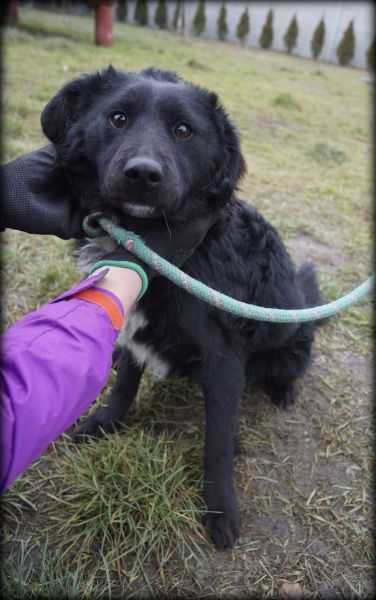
{"x":305,"y":248}
{"x":276,"y":123}
{"x":356,"y":367}
{"x":299,"y":483}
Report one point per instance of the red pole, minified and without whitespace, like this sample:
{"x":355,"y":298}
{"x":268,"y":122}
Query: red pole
{"x":103,"y":23}
{"x":10,"y":14}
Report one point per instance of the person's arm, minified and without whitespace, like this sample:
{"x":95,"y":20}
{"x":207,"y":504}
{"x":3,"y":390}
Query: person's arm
{"x":55,"y":361}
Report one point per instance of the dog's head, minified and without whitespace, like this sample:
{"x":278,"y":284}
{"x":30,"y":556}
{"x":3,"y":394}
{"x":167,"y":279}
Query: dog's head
{"x":144,"y":144}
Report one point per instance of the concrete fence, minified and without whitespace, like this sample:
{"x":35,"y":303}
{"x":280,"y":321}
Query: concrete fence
{"x":336,"y":15}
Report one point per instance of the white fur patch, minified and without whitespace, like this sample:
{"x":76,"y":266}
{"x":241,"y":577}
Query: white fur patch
{"x":139,"y":210}
{"x":143,"y":354}
{"x":93,"y":251}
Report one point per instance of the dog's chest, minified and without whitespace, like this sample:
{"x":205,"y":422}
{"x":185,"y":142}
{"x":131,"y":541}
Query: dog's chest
{"x":144,"y":354}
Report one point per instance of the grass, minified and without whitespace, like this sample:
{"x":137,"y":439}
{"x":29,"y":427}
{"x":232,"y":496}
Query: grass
{"x":322,"y":152}
{"x":287,"y":101}
{"x":121,"y":517}
{"x":124,"y":502}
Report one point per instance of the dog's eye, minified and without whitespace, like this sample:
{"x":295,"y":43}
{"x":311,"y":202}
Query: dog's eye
{"x":118,"y":120}
{"x":183,"y":131}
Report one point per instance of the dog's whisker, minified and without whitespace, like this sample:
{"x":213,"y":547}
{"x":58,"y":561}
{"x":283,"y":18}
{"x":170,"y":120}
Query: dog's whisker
{"x":166,"y":221}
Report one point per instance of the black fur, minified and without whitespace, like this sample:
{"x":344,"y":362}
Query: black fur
{"x":242,"y":255}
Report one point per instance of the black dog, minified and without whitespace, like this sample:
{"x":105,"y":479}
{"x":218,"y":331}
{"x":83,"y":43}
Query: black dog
{"x":150,"y":145}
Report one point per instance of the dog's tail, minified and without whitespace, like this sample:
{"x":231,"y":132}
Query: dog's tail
{"x":307,"y":280}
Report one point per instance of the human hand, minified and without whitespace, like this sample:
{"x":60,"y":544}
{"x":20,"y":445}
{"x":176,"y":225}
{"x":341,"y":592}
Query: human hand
{"x":36,"y":196}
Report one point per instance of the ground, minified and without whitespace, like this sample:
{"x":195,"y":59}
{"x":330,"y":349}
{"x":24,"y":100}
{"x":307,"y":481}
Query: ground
{"x":121,"y":517}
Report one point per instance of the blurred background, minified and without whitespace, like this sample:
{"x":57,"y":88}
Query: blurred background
{"x":308,"y":29}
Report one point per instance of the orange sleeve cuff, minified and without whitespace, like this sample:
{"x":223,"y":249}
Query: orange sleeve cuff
{"x":105,"y":301}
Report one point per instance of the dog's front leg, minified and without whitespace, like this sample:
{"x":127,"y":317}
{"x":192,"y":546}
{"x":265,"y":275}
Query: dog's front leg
{"x":223,"y":385}
{"x":107,"y":418}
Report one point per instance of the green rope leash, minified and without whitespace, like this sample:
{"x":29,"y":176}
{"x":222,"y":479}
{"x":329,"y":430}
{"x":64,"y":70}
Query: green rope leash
{"x":134,"y":244}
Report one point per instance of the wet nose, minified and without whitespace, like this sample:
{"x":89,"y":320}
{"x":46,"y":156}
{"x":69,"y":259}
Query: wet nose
{"x":144,"y":171}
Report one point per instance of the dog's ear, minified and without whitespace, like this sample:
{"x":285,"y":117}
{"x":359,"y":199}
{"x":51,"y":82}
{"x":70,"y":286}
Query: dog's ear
{"x":63,"y":109}
{"x":161,"y":75}
{"x":233,"y":165}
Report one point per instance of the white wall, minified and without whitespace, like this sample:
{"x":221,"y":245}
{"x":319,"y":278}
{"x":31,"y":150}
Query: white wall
{"x":337,"y":16}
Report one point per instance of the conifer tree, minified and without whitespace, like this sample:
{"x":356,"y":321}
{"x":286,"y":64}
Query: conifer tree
{"x":243,"y":28}
{"x":222,"y":29}
{"x":122,"y":10}
{"x":266,"y":37}
{"x":141,"y":12}
{"x":177,"y":15}
{"x":291,"y":35}
{"x":318,"y":39}
{"x":346,"y":47}
{"x":370,"y":56}
{"x":199,"y":21}
{"x":161,"y":14}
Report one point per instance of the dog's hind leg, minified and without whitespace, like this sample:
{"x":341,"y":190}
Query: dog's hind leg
{"x":282,"y":395}
{"x":108,"y":418}
{"x":279,"y":368}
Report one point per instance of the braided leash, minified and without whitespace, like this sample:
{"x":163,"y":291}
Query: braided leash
{"x":134,"y":244}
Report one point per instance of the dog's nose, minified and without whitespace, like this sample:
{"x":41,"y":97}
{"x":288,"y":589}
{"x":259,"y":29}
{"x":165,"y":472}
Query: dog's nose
{"x":143,"y":170}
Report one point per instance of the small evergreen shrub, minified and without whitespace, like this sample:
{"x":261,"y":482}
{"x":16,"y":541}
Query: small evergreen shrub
{"x":243,"y":28}
{"x":291,"y":35}
{"x":161,"y":14}
{"x":370,"y":56}
{"x":122,"y":10}
{"x":199,"y":21}
{"x":266,"y":37}
{"x":141,"y":12}
{"x":222,"y":29}
{"x":346,"y":47}
{"x":318,"y":39}
{"x":177,"y":15}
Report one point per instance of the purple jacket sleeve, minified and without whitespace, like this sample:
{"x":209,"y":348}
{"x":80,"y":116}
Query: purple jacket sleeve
{"x":55,"y":361}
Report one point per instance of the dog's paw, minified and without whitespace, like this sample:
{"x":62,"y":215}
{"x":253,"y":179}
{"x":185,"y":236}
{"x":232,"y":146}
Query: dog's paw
{"x":95,"y":426}
{"x":283,"y":396}
{"x":223,"y":527}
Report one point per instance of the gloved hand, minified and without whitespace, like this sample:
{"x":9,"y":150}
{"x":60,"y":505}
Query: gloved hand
{"x":36,"y":197}
{"x":175,"y":241}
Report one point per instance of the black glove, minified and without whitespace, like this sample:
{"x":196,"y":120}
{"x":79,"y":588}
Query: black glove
{"x":173,"y":240}
{"x":36,"y":197}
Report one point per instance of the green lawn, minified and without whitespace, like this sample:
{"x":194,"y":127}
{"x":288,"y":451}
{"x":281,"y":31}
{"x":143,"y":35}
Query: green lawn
{"x":121,"y":516}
